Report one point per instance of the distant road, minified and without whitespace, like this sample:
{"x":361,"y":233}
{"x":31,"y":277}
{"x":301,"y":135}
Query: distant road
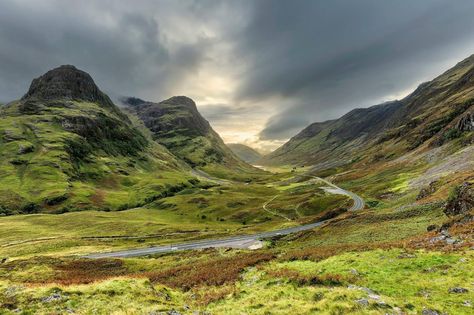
{"x":242,"y":241}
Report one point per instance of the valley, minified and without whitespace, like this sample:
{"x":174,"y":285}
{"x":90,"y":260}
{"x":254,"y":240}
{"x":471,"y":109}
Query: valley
{"x":142,"y":208}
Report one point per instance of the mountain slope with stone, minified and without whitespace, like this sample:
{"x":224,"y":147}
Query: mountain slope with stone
{"x":437,"y":112}
{"x":177,"y":124}
{"x":245,"y":152}
{"x":65,"y":146}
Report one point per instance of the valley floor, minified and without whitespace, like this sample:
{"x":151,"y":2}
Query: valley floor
{"x":380,"y":260}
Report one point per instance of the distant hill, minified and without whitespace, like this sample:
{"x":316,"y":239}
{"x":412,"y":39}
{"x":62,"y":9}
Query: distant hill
{"x":177,"y":124}
{"x":244,"y":152}
{"x":437,"y":112}
{"x":65,"y":146}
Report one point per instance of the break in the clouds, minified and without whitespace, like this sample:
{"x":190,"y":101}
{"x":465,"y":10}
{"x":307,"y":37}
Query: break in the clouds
{"x":260,"y":71}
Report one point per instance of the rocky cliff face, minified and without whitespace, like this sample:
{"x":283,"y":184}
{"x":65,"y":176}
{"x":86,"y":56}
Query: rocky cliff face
{"x":69,"y":83}
{"x":180,"y":112}
{"x":177,"y":124}
{"x":436,"y":113}
{"x":65,"y":146}
{"x":461,"y":201}
{"x":466,"y":123}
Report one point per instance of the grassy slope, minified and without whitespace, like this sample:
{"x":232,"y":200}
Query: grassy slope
{"x":176,"y":124}
{"x":426,"y":118}
{"x":325,"y":270}
{"x":48,"y":167}
{"x":244,"y":152}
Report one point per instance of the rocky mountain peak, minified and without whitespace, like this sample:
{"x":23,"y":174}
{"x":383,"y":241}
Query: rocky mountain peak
{"x":66,"y":82}
{"x":180,"y":100}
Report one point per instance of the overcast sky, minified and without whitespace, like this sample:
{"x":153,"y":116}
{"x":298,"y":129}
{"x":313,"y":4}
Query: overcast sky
{"x":260,"y":71}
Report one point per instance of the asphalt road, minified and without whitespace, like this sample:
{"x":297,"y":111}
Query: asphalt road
{"x":235,"y":241}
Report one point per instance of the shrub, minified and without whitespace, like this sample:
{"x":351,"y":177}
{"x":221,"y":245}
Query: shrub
{"x":213,"y":272}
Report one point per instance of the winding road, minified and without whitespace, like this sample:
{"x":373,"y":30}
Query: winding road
{"x":242,"y":241}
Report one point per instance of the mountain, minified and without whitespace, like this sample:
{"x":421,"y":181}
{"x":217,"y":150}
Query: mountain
{"x":437,"y":112}
{"x":65,"y":146}
{"x":177,"y":124}
{"x":244,"y":152}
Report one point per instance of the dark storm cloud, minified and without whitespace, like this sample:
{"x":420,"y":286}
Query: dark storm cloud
{"x":286,"y":63}
{"x":123,"y":48}
{"x":329,"y":57}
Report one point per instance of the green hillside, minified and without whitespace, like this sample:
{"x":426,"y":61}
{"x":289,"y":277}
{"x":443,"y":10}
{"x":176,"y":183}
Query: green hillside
{"x":245,"y":152}
{"x":406,"y":250}
{"x":65,"y":146}
{"x":177,"y":124}
{"x":437,"y":112}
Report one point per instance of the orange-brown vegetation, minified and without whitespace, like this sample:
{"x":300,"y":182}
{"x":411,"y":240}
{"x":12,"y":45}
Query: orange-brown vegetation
{"x":213,"y":272}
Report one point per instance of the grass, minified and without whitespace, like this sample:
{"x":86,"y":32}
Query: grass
{"x":69,"y":156}
{"x":328,"y":270}
{"x":391,"y":280}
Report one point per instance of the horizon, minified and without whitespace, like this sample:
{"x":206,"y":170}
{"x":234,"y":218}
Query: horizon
{"x":256,"y":81}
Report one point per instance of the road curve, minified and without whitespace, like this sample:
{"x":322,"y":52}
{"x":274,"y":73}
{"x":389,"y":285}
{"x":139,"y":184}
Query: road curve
{"x":235,"y":241}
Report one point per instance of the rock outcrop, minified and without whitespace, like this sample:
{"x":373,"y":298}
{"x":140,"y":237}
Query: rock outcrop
{"x":462,"y":200}
{"x":67,"y":83}
{"x":466,"y":123}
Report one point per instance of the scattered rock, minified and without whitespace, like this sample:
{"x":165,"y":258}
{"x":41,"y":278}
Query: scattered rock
{"x":363,"y":302}
{"x":53,"y":297}
{"x":374,"y":297}
{"x":451,"y":241}
{"x":458,"y":290}
{"x":172,"y":312}
{"x":3,"y":260}
{"x":466,"y":123}
{"x":24,"y":149}
{"x":366,"y":290}
{"x":406,"y":255}
{"x":354,"y":272}
{"x":467,"y":303}
{"x":445,"y":233}
{"x":427,"y":191}
{"x":428,"y":311}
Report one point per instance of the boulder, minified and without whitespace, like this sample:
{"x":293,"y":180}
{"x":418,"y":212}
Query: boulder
{"x":461,"y":201}
{"x":466,"y":123}
{"x":458,"y":290}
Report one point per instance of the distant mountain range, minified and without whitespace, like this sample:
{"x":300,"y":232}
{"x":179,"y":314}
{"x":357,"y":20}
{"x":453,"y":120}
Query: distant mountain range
{"x":177,"y":124}
{"x":65,"y":146}
{"x":437,"y":112}
{"x":245,"y":152}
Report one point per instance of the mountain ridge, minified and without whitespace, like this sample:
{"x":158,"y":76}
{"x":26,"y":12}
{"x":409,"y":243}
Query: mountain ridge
{"x":244,"y":152}
{"x":177,"y":124}
{"x":65,"y":146}
{"x":427,"y":116}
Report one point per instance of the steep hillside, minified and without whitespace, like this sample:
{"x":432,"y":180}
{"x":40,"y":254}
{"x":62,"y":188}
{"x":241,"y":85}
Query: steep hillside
{"x":244,"y":152}
{"x":334,"y":142}
{"x":65,"y":146}
{"x":177,"y":124}
{"x":437,"y":112}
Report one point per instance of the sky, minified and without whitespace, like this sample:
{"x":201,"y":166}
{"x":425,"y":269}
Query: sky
{"x":259,"y":71}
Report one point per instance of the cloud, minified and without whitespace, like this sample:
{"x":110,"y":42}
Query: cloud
{"x":327,"y":58}
{"x":260,"y":71}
